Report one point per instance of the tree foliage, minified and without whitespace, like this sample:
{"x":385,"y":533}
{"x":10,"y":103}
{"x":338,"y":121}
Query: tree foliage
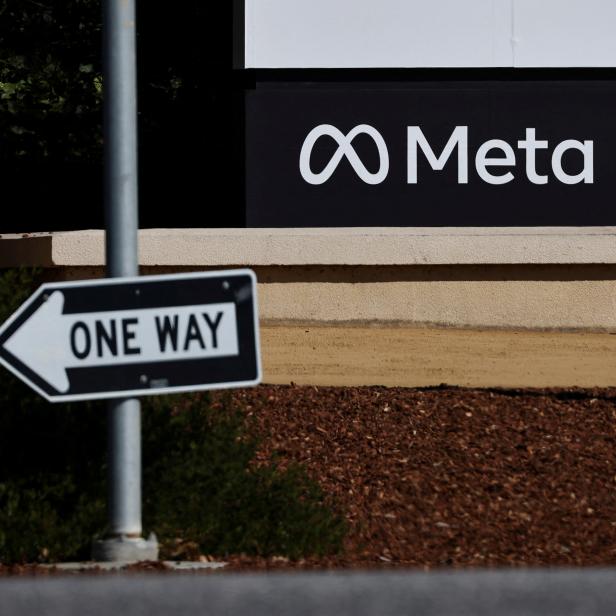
{"x":50,"y":79}
{"x":51,"y":88}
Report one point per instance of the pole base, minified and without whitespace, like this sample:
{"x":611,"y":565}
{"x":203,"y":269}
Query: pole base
{"x":125,"y":549}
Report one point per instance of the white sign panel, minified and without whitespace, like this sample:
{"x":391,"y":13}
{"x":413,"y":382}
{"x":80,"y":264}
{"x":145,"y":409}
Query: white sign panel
{"x":562,"y":33}
{"x":434,"y":33}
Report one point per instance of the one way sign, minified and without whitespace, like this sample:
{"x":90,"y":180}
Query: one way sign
{"x":136,"y":336}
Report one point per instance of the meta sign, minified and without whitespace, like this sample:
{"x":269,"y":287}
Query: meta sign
{"x":136,"y":336}
{"x":535,"y":153}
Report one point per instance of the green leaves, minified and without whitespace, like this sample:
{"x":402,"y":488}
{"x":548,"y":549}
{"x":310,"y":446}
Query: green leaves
{"x":202,"y":488}
{"x":49,"y":66}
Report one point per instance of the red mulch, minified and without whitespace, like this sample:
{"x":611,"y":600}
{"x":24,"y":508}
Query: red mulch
{"x":448,"y":477}
{"x":452,"y":477}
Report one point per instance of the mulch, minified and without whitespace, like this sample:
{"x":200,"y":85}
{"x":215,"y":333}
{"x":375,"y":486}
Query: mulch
{"x":452,"y":477}
{"x":447,"y":477}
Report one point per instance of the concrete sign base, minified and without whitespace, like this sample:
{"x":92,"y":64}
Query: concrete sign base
{"x":125,"y":549}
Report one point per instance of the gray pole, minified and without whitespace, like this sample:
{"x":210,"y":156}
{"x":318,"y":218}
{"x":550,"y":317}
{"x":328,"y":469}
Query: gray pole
{"x":120,"y":137}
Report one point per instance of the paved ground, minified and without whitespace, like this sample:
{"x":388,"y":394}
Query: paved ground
{"x":504,"y":593}
{"x":416,"y":357}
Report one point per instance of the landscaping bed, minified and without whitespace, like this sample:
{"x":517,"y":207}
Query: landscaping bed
{"x":440,"y":477}
{"x":451,"y":477}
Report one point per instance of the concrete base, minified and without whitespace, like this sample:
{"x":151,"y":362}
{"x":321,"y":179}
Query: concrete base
{"x":514,"y":278}
{"x":125,"y":549}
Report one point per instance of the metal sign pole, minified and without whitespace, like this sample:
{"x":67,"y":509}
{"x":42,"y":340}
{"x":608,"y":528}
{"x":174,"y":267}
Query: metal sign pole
{"x":120,"y":143}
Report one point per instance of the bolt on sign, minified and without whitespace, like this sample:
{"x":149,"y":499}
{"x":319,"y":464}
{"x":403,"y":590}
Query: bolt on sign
{"x":136,"y":336}
{"x":431,"y":154}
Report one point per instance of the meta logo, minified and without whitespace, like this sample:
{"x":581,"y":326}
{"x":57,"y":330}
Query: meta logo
{"x":345,"y":148}
{"x":495,"y":160}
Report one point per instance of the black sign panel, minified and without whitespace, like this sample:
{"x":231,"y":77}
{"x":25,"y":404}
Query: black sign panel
{"x":136,"y":336}
{"x":531,"y":153}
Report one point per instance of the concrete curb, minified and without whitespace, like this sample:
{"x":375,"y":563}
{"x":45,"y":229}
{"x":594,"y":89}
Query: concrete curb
{"x":184,"y":565}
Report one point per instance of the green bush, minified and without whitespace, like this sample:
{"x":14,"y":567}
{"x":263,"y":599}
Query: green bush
{"x":201,"y":491}
{"x":200,"y":486}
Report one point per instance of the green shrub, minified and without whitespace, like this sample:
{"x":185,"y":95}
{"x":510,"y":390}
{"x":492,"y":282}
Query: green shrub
{"x":199,"y":486}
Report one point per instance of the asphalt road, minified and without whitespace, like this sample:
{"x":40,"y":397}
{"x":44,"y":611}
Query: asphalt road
{"x":487,"y":593}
